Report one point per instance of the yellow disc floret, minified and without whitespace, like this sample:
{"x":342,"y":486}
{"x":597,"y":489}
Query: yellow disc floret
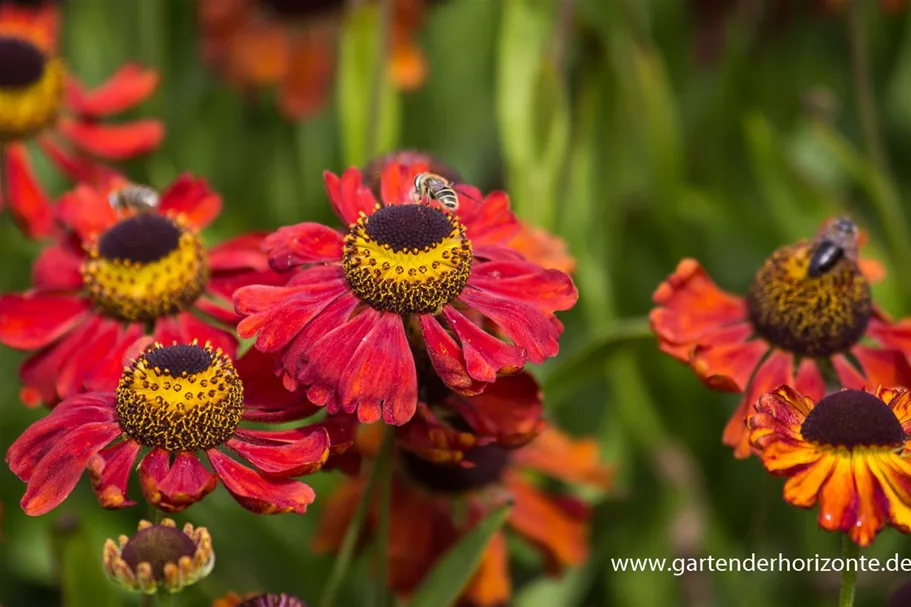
{"x":407,"y":259}
{"x":180,"y":398}
{"x":809,"y":313}
{"x":145,"y":267}
{"x":31,"y":88}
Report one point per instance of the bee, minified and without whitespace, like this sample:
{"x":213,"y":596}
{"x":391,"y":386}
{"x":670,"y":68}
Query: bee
{"x":139,"y":198}
{"x":432,"y":186}
{"x":837,"y":239}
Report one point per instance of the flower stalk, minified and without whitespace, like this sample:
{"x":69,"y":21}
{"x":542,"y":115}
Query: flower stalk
{"x":849,"y":551}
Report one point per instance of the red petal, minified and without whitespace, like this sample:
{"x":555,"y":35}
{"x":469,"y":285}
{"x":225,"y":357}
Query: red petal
{"x":809,"y":381}
{"x":186,"y":327}
{"x":485,"y":355}
{"x":258,"y":493}
{"x":381,"y":375}
{"x":28,"y":202}
{"x":690,"y":306}
{"x":193,"y":198}
{"x":173,"y":488}
{"x":117,"y":142}
{"x":95,"y":350}
{"x":43,"y":435}
{"x":57,"y":268}
{"x":106,"y":372}
{"x":85,"y":211}
{"x":77,"y":168}
{"x":304,"y":456}
{"x":110,"y":473}
{"x":337,"y":313}
{"x":348,"y":195}
{"x":510,"y":410}
{"x":883,"y":367}
{"x":28,"y":322}
{"x":724,"y":361}
{"x":848,"y":375}
{"x":397,"y":184}
{"x":526,"y":326}
{"x":304,"y":88}
{"x":488,"y":223}
{"x":777,"y":369}
{"x":242,"y":252}
{"x":448,"y":360}
{"x":128,"y":87}
{"x":303,"y":243}
{"x":263,"y":387}
{"x":548,"y":290}
{"x":56,"y":475}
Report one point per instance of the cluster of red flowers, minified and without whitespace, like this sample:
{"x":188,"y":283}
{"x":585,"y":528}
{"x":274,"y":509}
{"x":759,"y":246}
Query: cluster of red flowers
{"x":411,"y":313}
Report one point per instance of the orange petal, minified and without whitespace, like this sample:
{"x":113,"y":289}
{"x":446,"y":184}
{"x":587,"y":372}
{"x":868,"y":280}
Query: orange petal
{"x":574,"y":461}
{"x":838,"y":496}
{"x":784,"y":456}
{"x":543,"y":248}
{"x":869,"y":513}
{"x":728,"y":366}
{"x":802,"y":489}
{"x":691,"y":306}
{"x":259,"y":54}
{"x":887,"y":367}
{"x":308,"y":79}
{"x":491,"y":585}
{"x":774,"y":372}
{"x":894,"y":476}
{"x":128,"y":87}
{"x":407,"y":66}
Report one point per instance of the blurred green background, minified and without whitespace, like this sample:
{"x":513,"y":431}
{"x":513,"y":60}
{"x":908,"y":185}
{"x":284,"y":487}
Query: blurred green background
{"x":611,"y":130}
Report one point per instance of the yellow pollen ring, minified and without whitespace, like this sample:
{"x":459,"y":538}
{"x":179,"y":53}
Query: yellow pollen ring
{"x":809,"y":315}
{"x":134,"y":291}
{"x":25,"y":111}
{"x":409,"y":281}
{"x":180,"y":411}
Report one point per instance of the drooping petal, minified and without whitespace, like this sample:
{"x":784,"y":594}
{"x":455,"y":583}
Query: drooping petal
{"x":56,"y":475}
{"x":510,"y":410}
{"x":838,"y":497}
{"x":571,"y":460}
{"x":562,"y":539}
{"x":263,"y":389}
{"x":348,"y":195}
{"x":93,"y":351}
{"x":803,"y":487}
{"x":302,"y":243}
{"x":448,"y":360}
{"x":491,"y":585}
{"x":547,"y":290}
{"x":57,"y":268}
{"x":106,"y":372}
{"x":485,"y":355}
{"x":117,"y":142}
{"x":299,"y":353}
{"x":893,"y":474}
{"x":690,"y":305}
{"x":381,"y":377}
{"x":809,"y":381}
{"x":776,"y":370}
{"x":849,"y":376}
{"x":28,"y":201}
{"x":303,"y":456}
{"x":110,"y":471}
{"x":258,"y":493}
{"x":34,"y":320}
{"x":192,"y":198}
{"x":129,"y":86}
{"x":871,"y":510}
{"x":526,"y":326}
{"x":173,"y":488}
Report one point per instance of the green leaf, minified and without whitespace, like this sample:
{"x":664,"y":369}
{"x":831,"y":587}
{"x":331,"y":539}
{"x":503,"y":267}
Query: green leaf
{"x":82,"y":579}
{"x":452,"y":573}
{"x":369,"y":106}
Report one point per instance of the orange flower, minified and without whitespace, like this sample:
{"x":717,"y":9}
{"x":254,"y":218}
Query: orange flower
{"x":809,"y":302}
{"x":291,"y":44}
{"x":848,"y":453}
{"x":38,"y":100}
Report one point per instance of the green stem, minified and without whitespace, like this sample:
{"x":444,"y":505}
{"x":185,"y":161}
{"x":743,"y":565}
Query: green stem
{"x":349,"y":542}
{"x":372,"y":143}
{"x":384,"y":476}
{"x":146,"y":600}
{"x":166,"y":599}
{"x":849,"y":553}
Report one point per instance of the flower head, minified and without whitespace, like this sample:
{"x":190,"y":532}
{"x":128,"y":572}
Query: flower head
{"x":39,"y":100}
{"x":407,"y":287}
{"x":159,"y":556}
{"x":119,"y":274}
{"x":291,"y":44}
{"x":477,"y":451}
{"x":176,"y":401}
{"x":848,"y":452}
{"x":808,"y":302}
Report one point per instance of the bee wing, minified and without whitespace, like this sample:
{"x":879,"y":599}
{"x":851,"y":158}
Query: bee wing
{"x":467,"y":192}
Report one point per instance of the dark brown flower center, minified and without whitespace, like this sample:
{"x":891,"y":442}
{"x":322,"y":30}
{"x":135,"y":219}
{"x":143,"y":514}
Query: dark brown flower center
{"x":141,"y":239}
{"x":180,"y":398}
{"x":21,"y":63}
{"x":301,"y":8}
{"x":157,"y":545}
{"x":273,"y":600}
{"x":810,"y":313}
{"x":407,"y":259}
{"x":489,"y":463}
{"x":853,"y":418}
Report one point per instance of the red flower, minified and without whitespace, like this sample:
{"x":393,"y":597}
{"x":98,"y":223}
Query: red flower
{"x":793,"y":317}
{"x":429,"y":491}
{"x":406,"y":277}
{"x":39,"y":101}
{"x":118,"y":275}
{"x":178,"y":400}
